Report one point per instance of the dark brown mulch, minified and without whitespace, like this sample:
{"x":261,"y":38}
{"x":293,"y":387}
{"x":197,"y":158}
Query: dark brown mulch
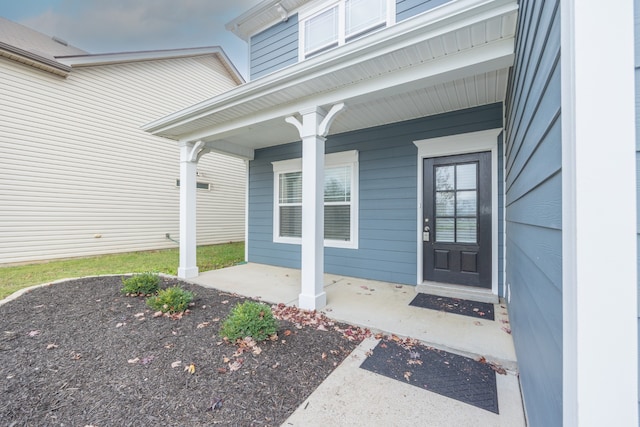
{"x":79,"y":353}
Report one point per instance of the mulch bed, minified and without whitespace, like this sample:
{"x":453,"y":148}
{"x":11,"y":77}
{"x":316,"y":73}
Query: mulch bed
{"x":80,"y":353}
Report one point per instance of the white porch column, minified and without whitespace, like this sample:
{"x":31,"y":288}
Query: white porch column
{"x":599,"y":231}
{"x":313,"y":129}
{"x":188,"y":164}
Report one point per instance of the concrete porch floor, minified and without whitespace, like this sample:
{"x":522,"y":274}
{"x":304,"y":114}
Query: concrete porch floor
{"x":353,"y":396}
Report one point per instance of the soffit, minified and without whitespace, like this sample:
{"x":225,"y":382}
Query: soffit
{"x":424,"y":69}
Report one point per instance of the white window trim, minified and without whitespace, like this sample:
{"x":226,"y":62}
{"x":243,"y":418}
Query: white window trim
{"x":344,"y":158}
{"x":306,"y":13}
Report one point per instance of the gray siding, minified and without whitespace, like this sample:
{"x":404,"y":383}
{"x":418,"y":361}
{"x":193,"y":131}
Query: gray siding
{"x":387,"y":195}
{"x":274,"y":48}
{"x":534,"y":210}
{"x":636,"y":6}
{"x":407,"y":8}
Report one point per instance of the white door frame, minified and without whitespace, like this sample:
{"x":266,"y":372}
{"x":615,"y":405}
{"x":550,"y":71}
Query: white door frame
{"x":465,"y":143}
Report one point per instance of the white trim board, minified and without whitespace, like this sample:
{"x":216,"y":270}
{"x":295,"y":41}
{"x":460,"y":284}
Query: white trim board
{"x":598,"y":107}
{"x":465,"y":143}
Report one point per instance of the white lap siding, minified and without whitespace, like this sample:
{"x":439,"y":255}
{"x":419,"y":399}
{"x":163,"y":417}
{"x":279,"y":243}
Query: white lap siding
{"x":77,"y":175}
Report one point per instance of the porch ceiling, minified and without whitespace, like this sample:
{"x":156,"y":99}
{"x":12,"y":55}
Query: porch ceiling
{"x":452,"y":57}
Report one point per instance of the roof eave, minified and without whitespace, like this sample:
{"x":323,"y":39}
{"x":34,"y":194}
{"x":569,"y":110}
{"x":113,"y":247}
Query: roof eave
{"x":34,"y":60}
{"x":441,"y":19}
{"x":91,"y":60}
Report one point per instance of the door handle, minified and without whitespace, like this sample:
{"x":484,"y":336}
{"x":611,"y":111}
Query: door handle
{"x":425,"y":233}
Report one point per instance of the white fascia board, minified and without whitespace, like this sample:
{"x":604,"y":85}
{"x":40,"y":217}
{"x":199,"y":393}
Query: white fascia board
{"x":37,"y":61}
{"x":491,"y":57}
{"x":234,"y":150}
{"x":150,"y":55}
{"x":442,"y":20}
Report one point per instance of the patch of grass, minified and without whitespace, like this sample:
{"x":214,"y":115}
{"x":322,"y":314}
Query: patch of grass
{"x":171,"y":300}
{"x":163,"y":261}
{"x":249,"y":319}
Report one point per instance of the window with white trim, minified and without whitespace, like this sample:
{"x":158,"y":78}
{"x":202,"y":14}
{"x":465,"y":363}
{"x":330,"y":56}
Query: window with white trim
{"x":341,"y":21}
{"x":340,"y":200}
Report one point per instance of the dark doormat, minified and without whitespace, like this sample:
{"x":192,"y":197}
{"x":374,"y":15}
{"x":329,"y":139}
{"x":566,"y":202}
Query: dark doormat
{"x":465,"y":307}
{"x":438,"y":371}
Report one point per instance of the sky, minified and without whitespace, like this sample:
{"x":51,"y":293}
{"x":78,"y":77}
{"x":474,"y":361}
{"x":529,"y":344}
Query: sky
{"x":109,"y":26}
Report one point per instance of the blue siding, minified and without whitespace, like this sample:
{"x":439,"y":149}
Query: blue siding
{"x":387,"y":196}
{"x":533,"y":169}
{"x":636,"y":15}
{"x":407,"y":8}
{"x":274,"y":48}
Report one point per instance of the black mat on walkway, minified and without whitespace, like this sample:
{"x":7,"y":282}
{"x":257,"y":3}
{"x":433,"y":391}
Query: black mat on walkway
{"x":438,"y":371}
{"x":465,"y":307}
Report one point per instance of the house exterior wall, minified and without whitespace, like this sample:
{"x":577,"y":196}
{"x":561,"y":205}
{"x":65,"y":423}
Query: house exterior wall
{"x":405,"y":9}
{"x":636,"y":13}
{"x":387,"y":196}
{"x":274,"y":48}
{"x":277,"y":46}
{"x":534,"y":210}
{"x":74,"y":163}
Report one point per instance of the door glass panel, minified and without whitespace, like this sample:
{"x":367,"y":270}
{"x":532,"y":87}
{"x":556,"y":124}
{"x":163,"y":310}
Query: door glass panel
{"x":466,"y":230}
{"x":445,"y":203}
{"x":445,"y":178}
{"x":456,"y":203}
{"x":466,"y":176}
{"x":445,"y":230}
{"x":466,"y":203}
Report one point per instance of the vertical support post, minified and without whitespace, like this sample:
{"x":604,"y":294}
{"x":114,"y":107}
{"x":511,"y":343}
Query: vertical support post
{"x":188,"y":168}
{"x":312,"y":293}
{"x":313,"y":129}
{"x":598,"y":150}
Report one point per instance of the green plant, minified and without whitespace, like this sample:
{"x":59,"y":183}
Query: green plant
{"x":171,"y":300}
{"x":249,"y":319}
{"x":141,"y":284}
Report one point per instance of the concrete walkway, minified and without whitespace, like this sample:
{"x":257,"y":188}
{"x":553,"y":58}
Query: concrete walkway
{"x":356,"y":397}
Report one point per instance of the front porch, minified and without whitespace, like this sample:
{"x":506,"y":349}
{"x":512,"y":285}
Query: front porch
{"x":347,"y":395}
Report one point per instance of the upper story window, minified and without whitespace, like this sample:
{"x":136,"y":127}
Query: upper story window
{"x":340,"y":21}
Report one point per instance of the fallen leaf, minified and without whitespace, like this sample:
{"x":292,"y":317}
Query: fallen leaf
{"x":398,"y":286}
{"x":276,"y":365}
{"x":135,"y":360}
{"x":221,"y":370}
{"x":225,"y":302}
{"x":379,"y":336}
{"x":76,"y":356}
{"x":324,"y":356}
{"x":407,"y":375}
{"x":364,"y":287}
{"x":51,"y":346}
{"x":226,"y":360}
{"x":191,"y":368}
{"x":216,"y":403}
{"x":257,"y":351}
{"x":369,"y":353}
{"x":482,"y":359}
{"x":417,"y":362}
{"x":477,"y":323}
{"x":287,"y":333}
{"x":321,"y":328}
{"x":507,"y":330}
{"x":235,"y":365}
{"x":138,"y":315}
{"x":176,"y":364}
{"x":215,"y":319}
{"x":202,"y":325}
{"x":158,"y":313}
{"x":120,"y":324}
{"x":476,"y":310}
{"x":33,"y":333}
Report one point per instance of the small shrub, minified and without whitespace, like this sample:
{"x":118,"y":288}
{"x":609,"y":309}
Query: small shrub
{"x":141,"y":284}
{"x":249,"y":319}
{"x":171,"y":300}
